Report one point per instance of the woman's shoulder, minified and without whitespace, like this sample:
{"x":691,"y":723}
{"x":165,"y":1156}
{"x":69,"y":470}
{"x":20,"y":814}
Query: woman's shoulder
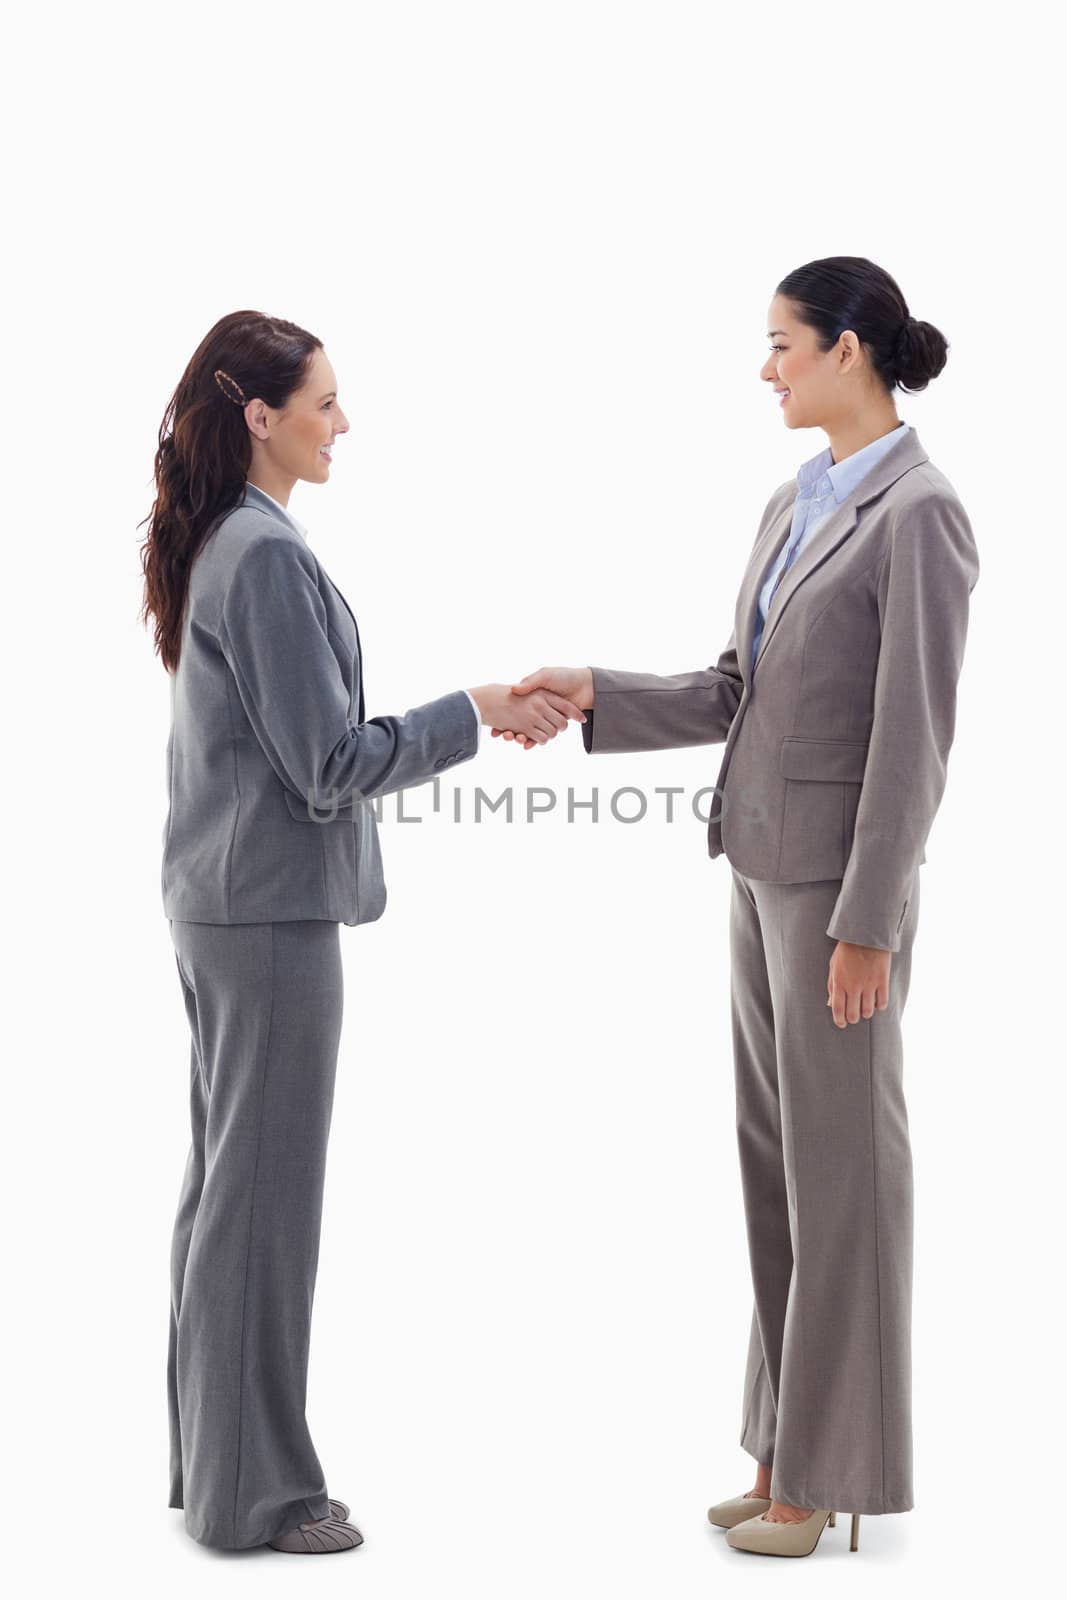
{"x":251,"y":523}
{"x":243,"y":534}
{"x":926,"y":483}
{"x":927,"y":511}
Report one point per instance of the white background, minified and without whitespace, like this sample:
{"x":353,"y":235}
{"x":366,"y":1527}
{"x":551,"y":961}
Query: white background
{"x":539,"y":242}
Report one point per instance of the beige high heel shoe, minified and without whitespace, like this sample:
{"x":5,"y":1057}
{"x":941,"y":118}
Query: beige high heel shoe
{"x":765,"y":1538}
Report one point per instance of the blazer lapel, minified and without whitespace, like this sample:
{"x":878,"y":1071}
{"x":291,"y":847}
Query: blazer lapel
{"x":832,"y":532}
{"x":760,"y":563}
{"x":359,"y":649}
{"x":255,"y":496}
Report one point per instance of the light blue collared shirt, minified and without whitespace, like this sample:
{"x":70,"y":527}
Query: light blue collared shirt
{"x":304,"y":535}
{"x":823,"y":484}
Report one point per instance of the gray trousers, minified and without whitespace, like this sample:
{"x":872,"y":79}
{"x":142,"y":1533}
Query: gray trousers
{"x":264,"y":1002}
{"x":826,"y":1175}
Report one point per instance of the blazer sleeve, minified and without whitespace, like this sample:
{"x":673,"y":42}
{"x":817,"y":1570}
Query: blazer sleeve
{"x":642,"y":711}
{"x":924,"y":588}
{"x":273,"y":635}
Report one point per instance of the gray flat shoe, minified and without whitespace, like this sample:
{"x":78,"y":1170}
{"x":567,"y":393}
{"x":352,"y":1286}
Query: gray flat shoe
{"x":318,"y":1538}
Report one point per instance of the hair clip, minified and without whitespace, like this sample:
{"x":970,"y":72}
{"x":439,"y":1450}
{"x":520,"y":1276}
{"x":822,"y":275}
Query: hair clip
{"x":222,"y":379}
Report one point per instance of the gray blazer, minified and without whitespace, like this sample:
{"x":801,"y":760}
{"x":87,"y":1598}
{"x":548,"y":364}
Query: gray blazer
{"x":836,"y":767}
{"x":269,"y":760}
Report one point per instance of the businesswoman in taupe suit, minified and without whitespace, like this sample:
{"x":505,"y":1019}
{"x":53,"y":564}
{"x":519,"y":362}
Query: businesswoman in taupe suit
{"x":835,"y":700}
{"x":268,"y":846}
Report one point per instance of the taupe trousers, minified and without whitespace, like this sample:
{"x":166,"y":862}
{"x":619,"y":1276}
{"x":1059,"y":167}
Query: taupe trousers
{"x":826,"y":1173}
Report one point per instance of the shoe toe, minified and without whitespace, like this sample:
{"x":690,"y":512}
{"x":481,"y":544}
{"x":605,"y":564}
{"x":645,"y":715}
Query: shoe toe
{"x":318,"y":1538}
{"x":728,"y":1513}
{"x":778,"y":1538}
{"x":751,"y":1533}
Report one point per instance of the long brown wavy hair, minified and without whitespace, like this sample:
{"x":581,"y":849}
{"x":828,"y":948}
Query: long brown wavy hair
{"x":205,"y":451}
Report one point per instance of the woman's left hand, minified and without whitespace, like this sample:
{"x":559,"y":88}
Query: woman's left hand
{"x":857,"y":984}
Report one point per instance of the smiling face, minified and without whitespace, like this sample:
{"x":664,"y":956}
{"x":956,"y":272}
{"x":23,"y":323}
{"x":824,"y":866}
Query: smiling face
{"x":823,"y":387}
{"x":297,"y":441}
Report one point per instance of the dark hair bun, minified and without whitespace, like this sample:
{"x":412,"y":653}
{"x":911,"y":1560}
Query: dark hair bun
{"x":920,"y":354}
{"x":838,"y":292}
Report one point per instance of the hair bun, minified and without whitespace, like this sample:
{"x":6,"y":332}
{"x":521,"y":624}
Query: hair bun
{"x":903,"y":339}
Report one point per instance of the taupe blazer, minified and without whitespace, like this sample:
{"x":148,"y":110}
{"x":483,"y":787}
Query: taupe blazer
{"x":837,"y":741}
{"x":270,"y":762}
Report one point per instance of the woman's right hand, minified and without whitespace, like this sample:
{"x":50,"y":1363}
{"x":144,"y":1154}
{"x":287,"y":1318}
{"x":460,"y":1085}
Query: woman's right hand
{"x":531,"y":718}
{"x":574,"y":683}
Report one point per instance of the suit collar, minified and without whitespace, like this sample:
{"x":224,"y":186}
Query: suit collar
{"x":844,"y":475}
{"x":255,"y":496}
{"x":904,"y":455}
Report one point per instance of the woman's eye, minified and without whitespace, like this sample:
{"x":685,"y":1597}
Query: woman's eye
{"x":777,"y":346}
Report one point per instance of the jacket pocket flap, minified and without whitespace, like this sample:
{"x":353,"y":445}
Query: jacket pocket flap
{"x":828,"y":760}
{"x":324,"y":813}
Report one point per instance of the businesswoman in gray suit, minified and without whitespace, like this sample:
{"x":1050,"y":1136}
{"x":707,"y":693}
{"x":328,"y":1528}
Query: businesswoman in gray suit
{"x":835,"y":702}
{"x":268,"y":846}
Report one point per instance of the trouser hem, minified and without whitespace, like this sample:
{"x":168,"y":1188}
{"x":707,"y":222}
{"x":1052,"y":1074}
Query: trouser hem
{"x":290,"y":1519}
{"x":831,"y":1499}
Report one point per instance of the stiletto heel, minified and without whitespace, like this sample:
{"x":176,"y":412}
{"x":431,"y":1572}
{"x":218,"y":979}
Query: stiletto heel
{"x":854,"y":1542}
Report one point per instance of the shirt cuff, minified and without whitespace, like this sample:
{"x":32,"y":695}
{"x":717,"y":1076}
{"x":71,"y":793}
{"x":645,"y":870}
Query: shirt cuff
{"x":477,"y":717}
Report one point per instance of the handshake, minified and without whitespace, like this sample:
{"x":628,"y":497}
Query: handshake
{"x":533,"y":710}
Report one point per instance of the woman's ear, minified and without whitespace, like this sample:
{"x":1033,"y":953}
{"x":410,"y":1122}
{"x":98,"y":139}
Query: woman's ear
{"x":258,"y":418}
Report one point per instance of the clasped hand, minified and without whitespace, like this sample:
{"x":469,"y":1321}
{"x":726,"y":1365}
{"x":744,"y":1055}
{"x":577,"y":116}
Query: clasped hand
{"x":534,"y":710}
